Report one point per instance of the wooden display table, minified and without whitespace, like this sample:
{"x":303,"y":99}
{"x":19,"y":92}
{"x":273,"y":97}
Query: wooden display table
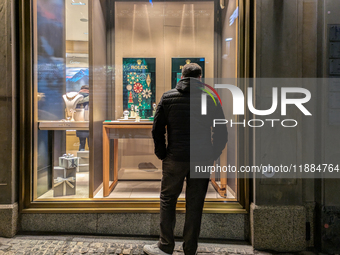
{"x":119,"y":130}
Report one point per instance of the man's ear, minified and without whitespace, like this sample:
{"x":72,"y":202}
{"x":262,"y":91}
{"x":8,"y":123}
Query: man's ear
{"x":182,"y":77}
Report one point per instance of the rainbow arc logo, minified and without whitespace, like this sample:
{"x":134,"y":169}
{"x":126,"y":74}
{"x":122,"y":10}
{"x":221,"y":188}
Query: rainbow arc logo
{"x":210,"y":94}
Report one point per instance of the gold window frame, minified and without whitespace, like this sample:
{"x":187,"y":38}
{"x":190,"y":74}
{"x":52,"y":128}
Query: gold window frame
{"x":28,"y":204}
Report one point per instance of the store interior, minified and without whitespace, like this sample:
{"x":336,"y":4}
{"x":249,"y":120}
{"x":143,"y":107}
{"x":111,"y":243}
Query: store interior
{"x":148,"y":42}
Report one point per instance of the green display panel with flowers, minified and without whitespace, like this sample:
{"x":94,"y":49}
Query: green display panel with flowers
{"x":139,"y":85}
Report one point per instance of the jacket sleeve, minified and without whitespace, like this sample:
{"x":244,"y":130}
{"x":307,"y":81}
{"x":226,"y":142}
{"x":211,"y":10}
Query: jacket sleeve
{"x":159,"y":131}
{"x":220,"y":133}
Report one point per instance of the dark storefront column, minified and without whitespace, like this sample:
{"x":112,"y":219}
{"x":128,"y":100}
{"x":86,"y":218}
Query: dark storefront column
{"x":327,"y":190}
{"x":282,"y":211}
{"x":8,"y":130}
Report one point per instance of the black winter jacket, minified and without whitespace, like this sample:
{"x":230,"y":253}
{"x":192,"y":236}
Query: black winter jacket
{"x":178,"y":110}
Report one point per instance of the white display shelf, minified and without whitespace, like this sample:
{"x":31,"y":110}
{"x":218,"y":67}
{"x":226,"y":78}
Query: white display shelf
{"x":63,"y":125}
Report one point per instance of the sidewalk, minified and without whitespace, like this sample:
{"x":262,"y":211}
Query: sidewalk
{"x":75,"y":244}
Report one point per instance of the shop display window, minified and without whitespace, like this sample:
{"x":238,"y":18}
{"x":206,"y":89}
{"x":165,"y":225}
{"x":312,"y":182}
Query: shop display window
{"x":100,"y":69}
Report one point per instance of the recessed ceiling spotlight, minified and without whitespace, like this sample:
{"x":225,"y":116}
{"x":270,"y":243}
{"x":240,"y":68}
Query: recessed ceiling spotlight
{"x":84,"y":20}
{"x":80,"y":3}
{"x":86,"y":33}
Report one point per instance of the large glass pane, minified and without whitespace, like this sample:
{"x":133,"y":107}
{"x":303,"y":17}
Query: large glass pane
{"x":226,"y":184}
{"x":101,"y":68}
{"x":61,"y":99}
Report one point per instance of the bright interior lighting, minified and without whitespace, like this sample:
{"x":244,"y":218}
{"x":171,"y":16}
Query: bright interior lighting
{"x":80,"y":3}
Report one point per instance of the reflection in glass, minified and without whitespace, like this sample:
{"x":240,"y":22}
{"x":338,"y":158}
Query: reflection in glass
{"x":62,"y":88}
{"x":120,"y":67}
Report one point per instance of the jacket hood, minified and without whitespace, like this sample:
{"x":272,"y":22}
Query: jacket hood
{"x":184,"y":84}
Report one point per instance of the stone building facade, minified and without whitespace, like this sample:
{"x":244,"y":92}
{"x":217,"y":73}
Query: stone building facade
{"x":290,"y":40}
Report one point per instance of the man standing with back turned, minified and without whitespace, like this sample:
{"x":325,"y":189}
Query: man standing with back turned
{"x":175,"y":113}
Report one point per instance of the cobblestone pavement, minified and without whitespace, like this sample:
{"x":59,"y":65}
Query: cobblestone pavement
{"x":33,"y":244}
{"x":61,"y":244}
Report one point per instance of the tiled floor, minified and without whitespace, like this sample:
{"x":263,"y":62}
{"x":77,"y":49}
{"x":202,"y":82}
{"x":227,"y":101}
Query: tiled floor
{"x":127,"y":189}
{"x":147,"y":189}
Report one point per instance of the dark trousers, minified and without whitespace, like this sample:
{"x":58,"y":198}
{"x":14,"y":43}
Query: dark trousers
{"x":82,"y":143}
{"x":174,"y":174}
{"x":83,"y":135}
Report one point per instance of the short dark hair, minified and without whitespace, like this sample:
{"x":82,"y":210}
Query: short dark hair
{"x":191,"y":70}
